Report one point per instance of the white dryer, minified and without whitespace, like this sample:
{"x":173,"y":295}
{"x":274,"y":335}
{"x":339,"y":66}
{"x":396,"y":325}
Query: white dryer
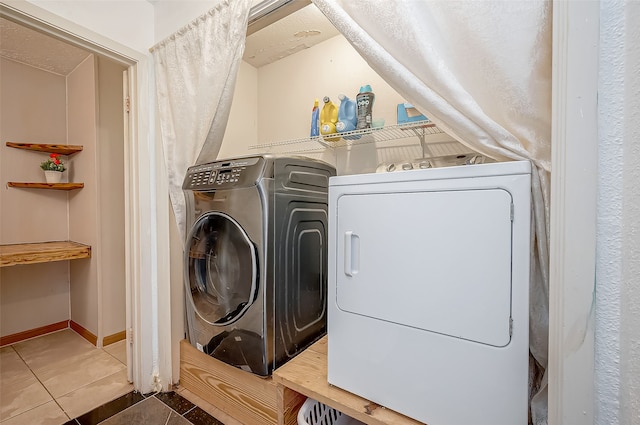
{"x":429,"y":291}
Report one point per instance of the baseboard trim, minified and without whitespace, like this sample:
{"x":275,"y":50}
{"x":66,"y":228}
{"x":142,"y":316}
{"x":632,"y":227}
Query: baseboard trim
{"x":84,"y":333}
{"x":111,"y":339}
{"x":31,"y":333}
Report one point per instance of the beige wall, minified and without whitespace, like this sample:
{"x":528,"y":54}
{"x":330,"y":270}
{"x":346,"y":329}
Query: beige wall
{"x":41,"y":107}
{"x":110,"y":171}
{"x":33,"y":110}
{"x":242,"y":127}
{"x":273,"y":104}
{"x":96,"y":213}
{"x":82,"y":123}
{"x":288,"y":87}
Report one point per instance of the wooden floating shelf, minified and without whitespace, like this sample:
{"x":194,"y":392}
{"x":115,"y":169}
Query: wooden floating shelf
{"x":53,"y":186}
{"x":40,"y":147}
{"x":42,"y":252}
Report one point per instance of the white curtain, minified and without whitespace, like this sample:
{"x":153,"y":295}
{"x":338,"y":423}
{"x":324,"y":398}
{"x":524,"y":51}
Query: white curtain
{"x":196,"y":70}
{"x":481,"y":70}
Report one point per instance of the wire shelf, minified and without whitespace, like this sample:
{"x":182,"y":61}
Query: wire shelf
{"x":356,"y":137}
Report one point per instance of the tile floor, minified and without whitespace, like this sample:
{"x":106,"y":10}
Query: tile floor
{"x":60,"y":378}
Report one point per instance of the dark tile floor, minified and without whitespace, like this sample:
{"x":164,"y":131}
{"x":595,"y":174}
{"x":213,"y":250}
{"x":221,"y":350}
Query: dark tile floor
{"x":153,"y":409}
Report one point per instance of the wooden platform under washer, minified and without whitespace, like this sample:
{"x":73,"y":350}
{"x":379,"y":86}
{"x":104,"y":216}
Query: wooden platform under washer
{"x":277,"y":400}
{"x":42,"y":252}
{"x":248,"y":398}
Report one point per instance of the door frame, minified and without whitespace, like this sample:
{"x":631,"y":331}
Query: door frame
{"x":146,"y":235}
{"x":572,"y":239}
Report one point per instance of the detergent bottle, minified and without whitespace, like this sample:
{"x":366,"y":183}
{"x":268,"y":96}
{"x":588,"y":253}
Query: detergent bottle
{"x":347,"y":118}
{"x":315,"y":120}
{"x":328,"y":117}
{"x":364,"y":102}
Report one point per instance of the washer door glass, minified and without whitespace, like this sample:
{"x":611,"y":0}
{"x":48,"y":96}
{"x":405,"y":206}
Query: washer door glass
{"x":221,"y":269}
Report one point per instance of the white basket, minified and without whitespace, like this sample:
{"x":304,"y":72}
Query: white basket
{"x":313,"y":412}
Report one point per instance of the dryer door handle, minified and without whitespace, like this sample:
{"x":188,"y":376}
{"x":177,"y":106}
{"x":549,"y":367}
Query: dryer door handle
{"x":351,"y":253}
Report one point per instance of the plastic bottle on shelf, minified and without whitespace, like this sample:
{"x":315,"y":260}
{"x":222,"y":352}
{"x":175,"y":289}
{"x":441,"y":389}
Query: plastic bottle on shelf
{"x":315,"y":119}
{"x":364,"y":102}
{"x":347,"y":117}
{"x":328,"y":118}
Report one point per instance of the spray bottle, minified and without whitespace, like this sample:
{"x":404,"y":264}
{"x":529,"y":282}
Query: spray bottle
{"x":315,"y":120}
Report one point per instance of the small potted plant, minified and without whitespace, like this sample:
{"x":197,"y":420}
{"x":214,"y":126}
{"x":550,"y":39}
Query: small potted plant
{"x":53,"y":168}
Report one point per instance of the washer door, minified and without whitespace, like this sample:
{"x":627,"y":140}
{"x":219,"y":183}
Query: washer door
{"x":221,"y":269}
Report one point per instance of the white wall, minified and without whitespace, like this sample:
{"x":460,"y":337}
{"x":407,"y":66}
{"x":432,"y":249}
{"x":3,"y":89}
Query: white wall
{"x":171,"y":15}
{"x":618,"y":247}
{"x":128,"y":22}
{"x":242,"y":127}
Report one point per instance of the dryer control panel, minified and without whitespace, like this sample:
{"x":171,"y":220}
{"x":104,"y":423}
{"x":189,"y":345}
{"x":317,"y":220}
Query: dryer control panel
{"x":224,"y":174}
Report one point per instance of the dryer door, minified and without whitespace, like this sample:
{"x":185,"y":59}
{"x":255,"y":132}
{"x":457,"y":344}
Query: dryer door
{"x":221,"y":269}
{"x":443,"y":265}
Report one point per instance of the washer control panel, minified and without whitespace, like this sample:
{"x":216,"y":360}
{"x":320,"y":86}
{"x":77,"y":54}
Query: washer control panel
{"x":199,"y":177}
{"x":224,"y":174}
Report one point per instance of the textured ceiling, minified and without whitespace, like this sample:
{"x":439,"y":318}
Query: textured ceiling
{"x":30,"y":47}
{"x":298,"y":31}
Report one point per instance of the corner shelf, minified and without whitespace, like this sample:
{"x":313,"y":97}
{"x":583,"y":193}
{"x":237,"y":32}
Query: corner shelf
{"x":52,"y":186}
{"x":52,"y":148}
{"x":42,"y":252}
